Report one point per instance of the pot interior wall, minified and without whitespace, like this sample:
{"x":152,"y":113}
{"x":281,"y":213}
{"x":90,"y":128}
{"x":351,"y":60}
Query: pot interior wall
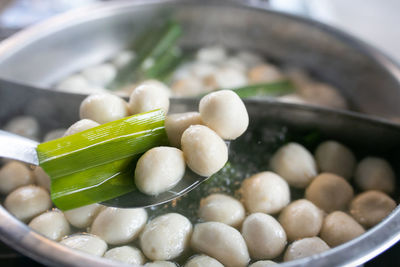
{"x":43,"y":55}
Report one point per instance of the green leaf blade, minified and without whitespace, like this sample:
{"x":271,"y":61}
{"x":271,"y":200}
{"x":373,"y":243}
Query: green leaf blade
{"x":98,"y":164}
{"x":150,"y":48}
{"x":103,"y":144}
{"x":94,"y":185}
{"x":267,"y":89}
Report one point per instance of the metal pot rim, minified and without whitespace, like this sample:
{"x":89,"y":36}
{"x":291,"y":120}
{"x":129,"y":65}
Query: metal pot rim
{"x":78,"y":16}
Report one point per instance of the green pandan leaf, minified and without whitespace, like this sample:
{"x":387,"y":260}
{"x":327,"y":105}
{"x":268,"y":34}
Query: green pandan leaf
{"x":103,"y":144}
{"x":98,"y":164}
{"x":94,"y":185}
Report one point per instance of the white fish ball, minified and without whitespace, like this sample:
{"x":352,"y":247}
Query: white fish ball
{"x":122,"y":58}
{"x":265,"y":192}
{"x":330,"y":192}
{"x":211,"y":54}
{"x":26,"y":126}
{"x":235,"y":63}
{"x":156,"y":83}
{"x":51,"y":224}
{"x":166,"y":237}
{"x":304,"y":248}
{"x":188,"y":86}
{"x":13,"y":175}
{"x":126,"y":254}
{"x":339,"y":227}
{"x":42,"y":178}
{"x":147,"y":97}
{"x":264,"y":73}
{"x":27,"y":202}
{"x":176,"y":124}
{"x":182,"y":71}
{"x":119,"y":226}
{"x":375,"y":174}
{"x":74,"y":83}
{"x":54,"y":134}
{"x":333,"y":157}
{"x":301,"y":219}
{"x":83,"y":217}
{"x":78,"y":84}
{"x":103,"y":108}
{"x":226,"y":78}
{"x":205,"y":152}
{"x":203,"y":261}
{"x":201,"y":69}
{"x":295,"y":164}
{"x":222,"y":208}
{"x":159,"y":169}
{"x":264,"y":236}
{"x":88,"y":243}
{"x":225,"y":113}
{"x":371,"y":207}
{"x":80,"y":126}
{"x":222,"y":242}
{"x":100,"y":75}
{"x":249,"y":58}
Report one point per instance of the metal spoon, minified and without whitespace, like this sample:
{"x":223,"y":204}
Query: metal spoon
{"x":24,"y":149}
{"x":57,"y":109}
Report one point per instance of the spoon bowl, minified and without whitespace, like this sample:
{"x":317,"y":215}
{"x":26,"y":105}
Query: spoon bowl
{"x":23,"y":149}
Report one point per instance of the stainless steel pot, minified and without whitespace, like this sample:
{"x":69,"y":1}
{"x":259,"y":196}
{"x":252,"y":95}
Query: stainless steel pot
{"x":269,"y":121}
{"x":44,"y":53}
{"x":47,"y":52}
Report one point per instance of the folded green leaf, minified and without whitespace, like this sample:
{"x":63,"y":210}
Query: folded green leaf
{"x":165,"y":64}
{"x":167,"y":38}
{"x":103,"y":144}
{"x":98,"y":164}
{"x":94,"y":185}
{"x":150,"y":47}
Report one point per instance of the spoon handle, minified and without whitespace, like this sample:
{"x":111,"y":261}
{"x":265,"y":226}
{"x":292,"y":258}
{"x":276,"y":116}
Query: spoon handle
{"x":17,"y":147}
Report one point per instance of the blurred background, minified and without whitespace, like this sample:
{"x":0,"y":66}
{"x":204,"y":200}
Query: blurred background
{"x":372,"y":21}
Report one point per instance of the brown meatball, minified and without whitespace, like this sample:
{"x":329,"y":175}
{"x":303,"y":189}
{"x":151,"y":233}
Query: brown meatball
{"x":330,"y":192}
{"x":375,"y":174}
{"x":370,"y":207}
